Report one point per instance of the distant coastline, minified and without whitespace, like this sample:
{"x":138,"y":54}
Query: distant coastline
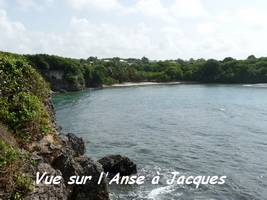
{"x":68,"y":74}
{"x":131,"y":84}
{"x":257,"y":85}
{"x":148,"y":83}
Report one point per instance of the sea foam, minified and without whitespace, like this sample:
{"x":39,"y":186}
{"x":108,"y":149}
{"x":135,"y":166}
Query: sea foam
{"x":161,"y":190}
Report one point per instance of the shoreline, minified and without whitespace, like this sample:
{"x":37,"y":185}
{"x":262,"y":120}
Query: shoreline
{"x":132,"y":84}
{"x":150,"y":83}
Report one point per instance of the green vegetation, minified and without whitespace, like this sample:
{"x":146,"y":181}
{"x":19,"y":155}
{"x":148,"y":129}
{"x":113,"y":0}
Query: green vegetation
{"x":24,"y":111}
{"x":94,"y":72}
{"x":23,"y":93}
{"x":76,"y":74}
{"x":25,"y":114}
{"x":24,"y":183}
{"x":8,"y":154}
{"x":12,"y":163}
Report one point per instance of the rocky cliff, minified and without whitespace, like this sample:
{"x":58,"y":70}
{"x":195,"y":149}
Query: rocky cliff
{"x":30,"y":142}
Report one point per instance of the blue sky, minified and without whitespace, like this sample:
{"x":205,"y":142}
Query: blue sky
{"x":158,"y":29}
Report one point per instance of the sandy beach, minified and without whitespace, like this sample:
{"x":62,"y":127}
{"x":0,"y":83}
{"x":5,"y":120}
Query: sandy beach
{"x":131,"y":84}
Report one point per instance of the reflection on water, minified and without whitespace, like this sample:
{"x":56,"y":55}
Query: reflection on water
{"x":193,"y":129}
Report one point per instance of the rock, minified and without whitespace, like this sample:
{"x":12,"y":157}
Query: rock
{"x":44,"y":191}
{"x":47,"y":148}
{"x":59,"y":128}
{"x":66,"y":164}
{"x":91,"y":190}
{"x":36,"y":158}
{"x":118,"y":164}
{"x":76,"y":143}
{"x":62,"y":91}
{"x":82,"y":166}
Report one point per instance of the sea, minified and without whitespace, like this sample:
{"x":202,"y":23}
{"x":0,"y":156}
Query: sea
{"x":193,"y":129}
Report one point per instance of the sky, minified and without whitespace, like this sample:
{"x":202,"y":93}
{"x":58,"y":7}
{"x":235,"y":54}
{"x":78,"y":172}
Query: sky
{"x":157,"y":29}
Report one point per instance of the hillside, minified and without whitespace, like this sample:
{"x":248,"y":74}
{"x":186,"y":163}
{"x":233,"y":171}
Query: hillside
{"x":67,"y":74}
{"x":30,"y":143}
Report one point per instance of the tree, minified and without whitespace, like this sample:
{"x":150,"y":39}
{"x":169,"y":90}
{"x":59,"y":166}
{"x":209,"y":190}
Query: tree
{"x":251,"y":57}
{"x":145,"y":60}
{"x":228,"y":59}
{"x":210,"y":71}
{"x":174,"y":72}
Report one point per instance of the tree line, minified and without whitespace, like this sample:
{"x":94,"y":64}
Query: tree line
{"x":95,"y":72}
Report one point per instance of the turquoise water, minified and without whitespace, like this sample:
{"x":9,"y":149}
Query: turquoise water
{"x":193,"y":129}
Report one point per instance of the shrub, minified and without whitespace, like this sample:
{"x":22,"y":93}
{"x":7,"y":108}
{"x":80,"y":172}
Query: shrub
{"x":23,"y":183}
{"x":18,"y":76}
{"x":8,"y":154}
{"x":23,"y":93}
{"x":13,"y":164}
{"x":16,"y":196}
{"x":25,"y":114}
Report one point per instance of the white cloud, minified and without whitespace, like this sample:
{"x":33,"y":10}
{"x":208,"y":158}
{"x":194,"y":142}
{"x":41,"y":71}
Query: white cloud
{"x":152,"y":8}
{"x":207,"y":28}
{"x":83,"y":38}
{"x":236,"y":33}
{"x":12,"y":34}
{"x":171,"y":12}
{"x":252,"y":18}
{"x":107,"y":40}
{"x":3,"y":3}
{"x":95,"y":4}
{"x":188,"y":8}
{"x":33,"y":4}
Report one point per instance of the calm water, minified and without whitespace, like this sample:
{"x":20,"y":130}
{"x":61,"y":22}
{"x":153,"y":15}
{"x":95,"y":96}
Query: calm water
{"x":193,"y":129}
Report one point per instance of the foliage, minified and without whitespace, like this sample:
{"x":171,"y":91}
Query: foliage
{"x":94,"y":72}
{"x":25,"y":114}
{"x":23,"y":93}
{"x":8,"y":154}
{"x":23,"y":99}
{"x":12,"y":179}
{"x":16,"y":196}
{"x":18,"y":76}
{"x":24,"y":183}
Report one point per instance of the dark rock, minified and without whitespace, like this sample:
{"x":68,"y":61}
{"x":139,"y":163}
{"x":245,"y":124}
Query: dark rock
{"x":64,"y":139}
{"x":59,"y":128}
{"x":118,"y":164}
{"x":76,"y":143}
{"x":62,"y":91}
{"x":66,"y":164}
{"x":67,"y":148}
{"x":91,"y":190}
{"x":51,"y":110}
{"x":44,"y":191}
{"x":82,"y":166}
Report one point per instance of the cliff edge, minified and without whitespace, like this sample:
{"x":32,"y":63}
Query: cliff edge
{"x":30,"y":142}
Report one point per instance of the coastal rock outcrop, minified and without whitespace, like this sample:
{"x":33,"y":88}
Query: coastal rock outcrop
{"x":33,"y":153}
{"x":59,"y":82}
{"x":76,"y":143}
{"x":118,"y":164}
{"x":44,"y":191}
{"x":90,"y":190}
{"x":72,"y":162}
